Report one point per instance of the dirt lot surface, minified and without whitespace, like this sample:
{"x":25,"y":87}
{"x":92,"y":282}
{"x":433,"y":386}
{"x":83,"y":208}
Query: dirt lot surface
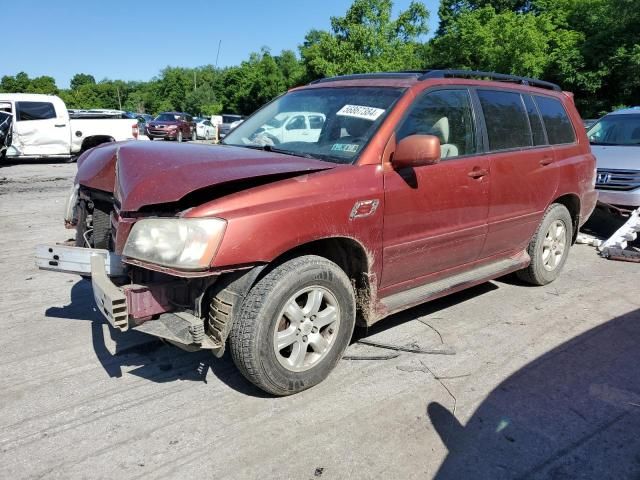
{"x":544,"y":383}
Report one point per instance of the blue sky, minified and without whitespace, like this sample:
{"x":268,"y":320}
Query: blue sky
{"x":135,"y":39}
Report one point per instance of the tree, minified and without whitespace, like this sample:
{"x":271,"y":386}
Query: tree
{"x":366,"y":39}
{"x":80,"y":79}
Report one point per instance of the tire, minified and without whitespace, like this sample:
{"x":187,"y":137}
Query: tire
{"x":179,"y":136}
{"x":313,"y":349}
{"x":549,"y":247}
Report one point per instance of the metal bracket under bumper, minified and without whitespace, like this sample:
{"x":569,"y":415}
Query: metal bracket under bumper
{"x":63,"y":258}
{"x":110,"y":299}
{"x":181,"y":329}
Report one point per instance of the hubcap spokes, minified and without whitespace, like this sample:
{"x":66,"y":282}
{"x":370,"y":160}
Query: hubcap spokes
{"x":554,"y":245}
{"x":306,"y":328}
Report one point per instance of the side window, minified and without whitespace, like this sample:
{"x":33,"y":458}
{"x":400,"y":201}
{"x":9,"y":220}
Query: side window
{"x":446,"y":114}
{"x":506,"y":119}
{"x":34,"y":111}
{"x":556,"y":120}
{"x":537,"y":130}
{"x":316,"y":122}
{"x":296,"y":123}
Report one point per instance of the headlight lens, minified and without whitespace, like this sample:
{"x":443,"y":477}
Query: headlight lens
{"x":181,"y":243}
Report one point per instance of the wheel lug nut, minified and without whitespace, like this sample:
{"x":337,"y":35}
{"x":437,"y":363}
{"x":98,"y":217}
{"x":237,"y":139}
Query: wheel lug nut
{"x":304,"y":338}
{"x":314,"y":329}
{"x":313,"y":317}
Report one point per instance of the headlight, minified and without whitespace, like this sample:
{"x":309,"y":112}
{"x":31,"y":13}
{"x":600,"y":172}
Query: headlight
{"x":181,"y":243}
{"x":70,"y":205}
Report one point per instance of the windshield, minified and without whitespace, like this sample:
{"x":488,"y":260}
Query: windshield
{"x":333,"y":124}
{"x":622,"y":129}
{"x":167,"y":117}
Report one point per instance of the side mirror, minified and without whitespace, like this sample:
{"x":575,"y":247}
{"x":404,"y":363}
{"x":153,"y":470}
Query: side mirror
{"x":416,"y":151}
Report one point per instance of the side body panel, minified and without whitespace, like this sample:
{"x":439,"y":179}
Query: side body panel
{"x":117,"y":128}
{"x":47,"y":137}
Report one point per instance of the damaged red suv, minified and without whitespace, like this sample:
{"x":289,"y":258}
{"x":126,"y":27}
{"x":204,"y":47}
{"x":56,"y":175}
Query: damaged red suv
{"x":405,"y":187}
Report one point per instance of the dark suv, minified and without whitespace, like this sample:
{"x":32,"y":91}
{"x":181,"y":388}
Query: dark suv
{"x":171,"y":126}
{"x":414,"y":186}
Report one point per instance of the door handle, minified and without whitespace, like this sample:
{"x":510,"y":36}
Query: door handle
{"x":60,"y":125}
{"x":478,"y":173}
{"x":546,"y":161}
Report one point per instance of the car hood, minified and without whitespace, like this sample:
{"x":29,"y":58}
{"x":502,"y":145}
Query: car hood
{"x":618,"y":158}
{"x":145,"y":173}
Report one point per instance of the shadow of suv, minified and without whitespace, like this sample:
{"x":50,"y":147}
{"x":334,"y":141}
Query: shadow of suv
{"x":171,"y":126}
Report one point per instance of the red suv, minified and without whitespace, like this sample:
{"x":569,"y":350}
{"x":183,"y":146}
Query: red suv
{"x":413,"y":187}
{"x":172,"y":126}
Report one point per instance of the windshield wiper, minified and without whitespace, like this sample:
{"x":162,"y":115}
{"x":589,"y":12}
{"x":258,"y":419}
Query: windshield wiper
{"x":271,"y":148}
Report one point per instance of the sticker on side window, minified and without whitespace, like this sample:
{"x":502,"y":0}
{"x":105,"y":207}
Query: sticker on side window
{"x":345,"y":147}
{"x":359,"y":111}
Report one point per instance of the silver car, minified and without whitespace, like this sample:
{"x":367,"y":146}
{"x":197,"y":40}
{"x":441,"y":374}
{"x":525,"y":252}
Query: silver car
{"x":615,"y":141}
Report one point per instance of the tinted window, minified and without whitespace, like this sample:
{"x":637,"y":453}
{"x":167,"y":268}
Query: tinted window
{"x":296,"y":123}
{"x":446,"y":114}
{"x":316,"y":121}
{"x":35,"y":111}
{"x":506,"y":119}
{"x":556,"y":121}
{"x":616,"y":130}
{"x":537,"y":130}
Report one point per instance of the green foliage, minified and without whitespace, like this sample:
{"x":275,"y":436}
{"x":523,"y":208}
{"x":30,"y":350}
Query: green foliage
{"x":366,"y":39}
{"x":591,"y":47}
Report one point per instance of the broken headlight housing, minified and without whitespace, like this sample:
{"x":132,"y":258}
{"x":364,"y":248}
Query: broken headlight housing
{"x":181,"y":243}
{"x":70,"y":206}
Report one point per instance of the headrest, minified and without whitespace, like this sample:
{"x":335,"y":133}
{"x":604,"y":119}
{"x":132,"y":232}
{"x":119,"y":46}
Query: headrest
{"x":441,"y":129}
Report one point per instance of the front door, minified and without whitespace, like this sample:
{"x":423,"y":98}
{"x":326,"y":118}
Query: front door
{"x":41,"y":129}
{"x":435,"y":216}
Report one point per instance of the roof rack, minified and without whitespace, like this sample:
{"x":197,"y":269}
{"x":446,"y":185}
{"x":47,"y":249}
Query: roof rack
{"x":422,"y":75}
{"x":501,"y":77}
{"x":365,"y":76}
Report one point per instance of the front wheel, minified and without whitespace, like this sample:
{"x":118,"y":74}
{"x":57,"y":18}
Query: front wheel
{"x":294,"y":325}
{"x":549,"y":247}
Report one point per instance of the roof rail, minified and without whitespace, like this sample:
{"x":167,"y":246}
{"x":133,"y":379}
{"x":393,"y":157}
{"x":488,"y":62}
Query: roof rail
{"x":501,"y":77}
{"x":365,"y":76}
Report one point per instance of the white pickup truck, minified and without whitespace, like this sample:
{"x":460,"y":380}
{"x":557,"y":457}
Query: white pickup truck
{"x":43,"y":128}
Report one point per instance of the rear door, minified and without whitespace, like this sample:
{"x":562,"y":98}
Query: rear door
{"x":524,"y":177}
{"x":435,"y":216}
{"x":41,"y":128}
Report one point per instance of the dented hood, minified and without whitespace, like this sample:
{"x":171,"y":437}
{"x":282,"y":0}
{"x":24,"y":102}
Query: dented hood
{"x":161,"y":172}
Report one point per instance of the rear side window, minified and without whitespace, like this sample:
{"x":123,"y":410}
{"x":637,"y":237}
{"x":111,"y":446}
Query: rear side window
{"x":537,"y":130}
{"x":556,"y":120}
{"x":506,"y":119}
{"x":35,"y":111}
{"x":316,"y":121}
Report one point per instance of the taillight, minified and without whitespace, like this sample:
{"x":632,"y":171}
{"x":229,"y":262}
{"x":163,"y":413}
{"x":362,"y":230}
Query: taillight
{"x":135,"y":130}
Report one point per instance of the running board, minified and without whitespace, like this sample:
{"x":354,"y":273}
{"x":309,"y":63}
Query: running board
{"x":430,"y":291}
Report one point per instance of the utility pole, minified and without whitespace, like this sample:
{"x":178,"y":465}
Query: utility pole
{"x":218,"y":54}
{"x":195,"y":81}
{"x":118,"y":93}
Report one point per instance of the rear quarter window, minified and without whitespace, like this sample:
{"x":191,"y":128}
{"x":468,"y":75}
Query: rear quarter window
{"x":506,"y":119}
{"x":34,"y":111}
{"x":556,"y":120}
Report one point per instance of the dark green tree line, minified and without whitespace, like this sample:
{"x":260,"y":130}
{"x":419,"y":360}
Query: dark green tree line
{"x":591,"y":47}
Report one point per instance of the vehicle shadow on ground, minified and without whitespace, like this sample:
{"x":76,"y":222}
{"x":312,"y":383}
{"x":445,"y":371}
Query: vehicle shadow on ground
{"x":151,"y":358}
{"x":572,"y":413}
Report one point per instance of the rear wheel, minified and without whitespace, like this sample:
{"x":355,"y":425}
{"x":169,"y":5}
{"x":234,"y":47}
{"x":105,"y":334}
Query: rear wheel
{"x":549,"y":247}
{"x":294,"y":325}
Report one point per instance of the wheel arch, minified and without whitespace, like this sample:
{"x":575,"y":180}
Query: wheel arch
{"x":94,"y":141}
{"x":572,"y":202}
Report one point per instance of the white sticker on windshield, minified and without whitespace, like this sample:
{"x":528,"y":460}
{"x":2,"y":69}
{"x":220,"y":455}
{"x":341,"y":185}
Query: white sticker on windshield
{"x":358,"y":111}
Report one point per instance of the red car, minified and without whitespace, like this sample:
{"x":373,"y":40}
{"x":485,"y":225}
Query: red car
{"x":172,"y":126}
{"x":416,"y":186}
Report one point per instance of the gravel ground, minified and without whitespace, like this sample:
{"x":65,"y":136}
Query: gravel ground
{"x":544,"y":383}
